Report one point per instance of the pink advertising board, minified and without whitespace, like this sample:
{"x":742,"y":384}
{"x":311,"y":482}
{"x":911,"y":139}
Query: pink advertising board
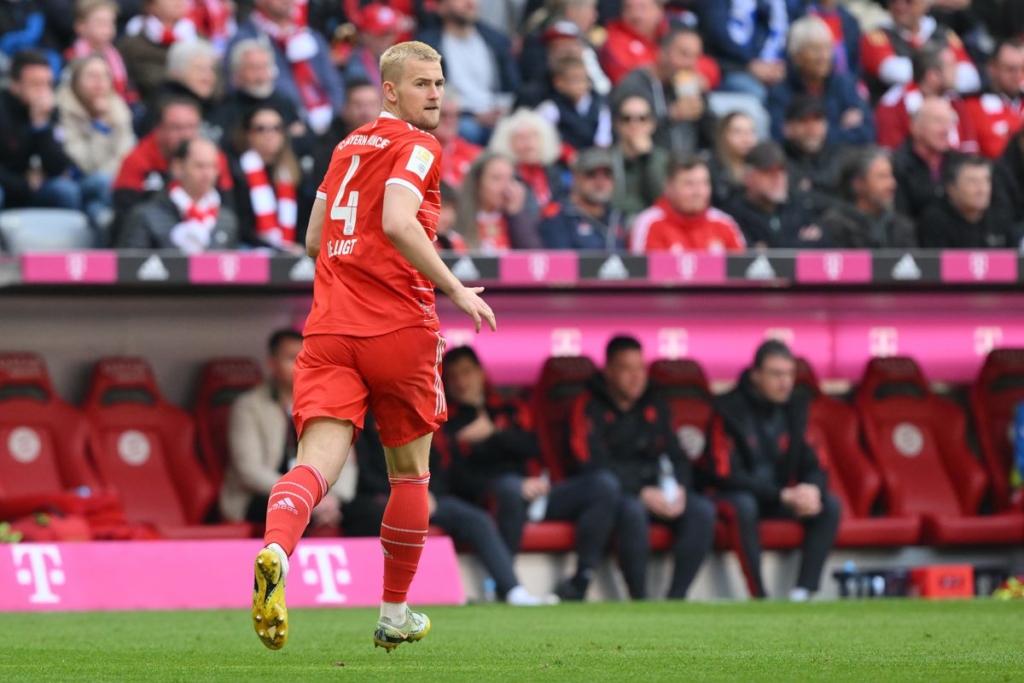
{"x":547,"y":267}
{"x":229,"y":267}
{"x":84,"y":267}
{"x":698,"y":268}
{"x":147,"y":575}
{"x":979,"y":266}
{"x":824,"y":267}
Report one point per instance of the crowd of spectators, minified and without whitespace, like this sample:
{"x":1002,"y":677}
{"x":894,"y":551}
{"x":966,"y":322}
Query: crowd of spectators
{"x":608,"y":125}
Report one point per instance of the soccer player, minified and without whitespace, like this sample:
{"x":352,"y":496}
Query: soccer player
{"x":372,"y":339}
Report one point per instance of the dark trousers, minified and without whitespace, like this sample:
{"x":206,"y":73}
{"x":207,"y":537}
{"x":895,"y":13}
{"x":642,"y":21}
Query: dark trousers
{"x":589,"y":500}
{"x":466,"y":523}
{"x":694,"y":533}
{"x":819,"y":537}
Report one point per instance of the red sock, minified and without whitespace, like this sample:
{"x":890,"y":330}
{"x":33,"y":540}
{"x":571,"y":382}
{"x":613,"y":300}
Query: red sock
{"x":291,"y":503}
{"x":403,"y":533}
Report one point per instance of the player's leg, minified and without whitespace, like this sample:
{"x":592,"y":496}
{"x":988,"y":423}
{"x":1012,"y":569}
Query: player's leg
{"x":322,"y":450}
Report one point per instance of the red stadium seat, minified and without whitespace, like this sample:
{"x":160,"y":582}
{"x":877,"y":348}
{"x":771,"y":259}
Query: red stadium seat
{"x":833,"y":431}
{"x":686,"y":389}
{"x":994,"y":397}
{"x":919,"y":442}
{"x":562,"y":379}
{"x":220,"y":383}
{"x":144,"y":448}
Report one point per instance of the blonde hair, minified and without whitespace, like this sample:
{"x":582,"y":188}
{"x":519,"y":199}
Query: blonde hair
{"x":550,"y":142}
{"x":84,"y":8}
{"x":395,"y":57}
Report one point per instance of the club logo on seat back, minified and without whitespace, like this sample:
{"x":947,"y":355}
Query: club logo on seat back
{"x":908,"y":440}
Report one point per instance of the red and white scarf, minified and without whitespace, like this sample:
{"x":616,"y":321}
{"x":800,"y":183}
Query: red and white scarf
{"x":80,"y":49}
{"x":300,"y":47}
{"x":192,"y":235}
{"x":214,"y":21}
{"x":158,"y":33}
{"x":275,"y":207}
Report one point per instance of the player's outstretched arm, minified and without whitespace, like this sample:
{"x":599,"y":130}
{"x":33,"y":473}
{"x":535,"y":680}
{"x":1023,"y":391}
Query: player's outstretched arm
{"x":404,"y":230}
{"x":315,"y":230}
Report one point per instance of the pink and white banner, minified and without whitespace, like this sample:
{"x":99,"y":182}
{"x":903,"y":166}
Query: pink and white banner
{"x":148,"y":575}
{"x":85,"y":267}
{"x":229,"y":267}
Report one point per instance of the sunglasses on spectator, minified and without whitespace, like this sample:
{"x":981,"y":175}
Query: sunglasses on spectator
{"x":273,"y":128}
{"x":599,"y":173}
{"x":634,"y":118}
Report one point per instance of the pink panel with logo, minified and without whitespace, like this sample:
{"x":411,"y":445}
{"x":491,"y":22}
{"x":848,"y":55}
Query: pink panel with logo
{"x":87,"y":267}
{"x":833,"y":266}
{"x":145,"y":575}
{"x":548,"y":267}
{"x":229,"y":267}
{"x":686,"y":268}
{"x":979,"y":266}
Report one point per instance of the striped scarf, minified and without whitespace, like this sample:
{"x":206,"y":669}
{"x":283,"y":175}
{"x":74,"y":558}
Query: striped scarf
{"x":158,"y":33}
{"x":275,"y":207}
{"x":192,"y":234}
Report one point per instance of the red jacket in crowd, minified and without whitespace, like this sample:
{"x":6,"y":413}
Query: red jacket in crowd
{"x":662,"y":228}
{"x":898,"y":106}
{"x":995,"y":118}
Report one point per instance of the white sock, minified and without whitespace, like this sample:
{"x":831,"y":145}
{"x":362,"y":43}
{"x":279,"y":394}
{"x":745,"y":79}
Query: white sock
{"x":799,"y":595}
{"x":394,"y":612}
{"x":284,"y":558}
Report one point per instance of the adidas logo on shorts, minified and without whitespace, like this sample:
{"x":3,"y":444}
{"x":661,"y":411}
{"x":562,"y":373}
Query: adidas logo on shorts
{"x":285,"y":504}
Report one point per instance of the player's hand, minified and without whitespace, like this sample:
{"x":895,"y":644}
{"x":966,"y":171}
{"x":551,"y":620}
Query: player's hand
{"x":654,"y":500}
{"x":327,"y":512}
{"x":478,"y":430}
{"x":807,"y":499}
{"x":469,"y":302}
{"x":431,"y":503}
{"x":535,"y":487}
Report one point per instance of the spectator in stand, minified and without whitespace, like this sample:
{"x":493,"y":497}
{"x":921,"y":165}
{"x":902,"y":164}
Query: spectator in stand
{"x":866,"y":218}
{"x":98,"y":135}
{"x":677,"y":92}
{"x":215,"y":21}
{"x":997,"y":115}
{"x":262,"y":443}
{"x":965,"y":218}
{"x":683,"y":218}
{"x":764,"y":468}
{"x":845,"y":30}
{"x":269,"y":185}
{"x":580,"y":115}
{"x":378,"y":30}
{"x":734,"y":138}
{"x":934,"y":76}
{"x":478,"y":66}
{"x":24,"y":25}
{"x":633,"y":38}
{"x":188,"y":216}
{"x":586,"y":220}
{"x":639,"y":165}
{"x":811,"y":161}
{"x":496,"y":211}
{"x":447,"y":238}
{"x":571,"y":20}
{"x":95,"y":30}
{"x":562,"y":42}
{"x":466,"y":523}
{"x":886,"y":52}
{"x":145,"y":171}
{"x":253,"y":77}
{"x":622,"y":425}
{"x":457,"y":154}
{"x":305,"y":73}
{"x":532,"y":143}
{"x":766,"y":212}
{"x":919,"y":163}
{"x":495,"y":456}
{"x":749,"y":40}
{"x":1008,"y":180}
{"x":363,"y":104}
{"x":34,"y":169}
{"x":811,"y":53}
{"x":149,"y":37}
{"x":192,"y":74}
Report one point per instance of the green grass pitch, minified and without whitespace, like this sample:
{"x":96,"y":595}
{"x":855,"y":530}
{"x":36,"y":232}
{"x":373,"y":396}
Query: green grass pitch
{"x":862,"y":641}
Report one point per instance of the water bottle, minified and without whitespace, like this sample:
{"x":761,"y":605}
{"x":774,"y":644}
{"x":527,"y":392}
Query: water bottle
{"x":490,"y":592}
{"x":538,"y":509}
{"x":667,"y":480}
{"x":850,"y":579}
{"x":878,"y":586}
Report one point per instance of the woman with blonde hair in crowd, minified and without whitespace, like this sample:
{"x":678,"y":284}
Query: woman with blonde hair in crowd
{"x":496,"y":212}
{"x":735,"y":137}
{"x":534,"y":147}
{"x":98,"y":132}
{"x":268,"y":183}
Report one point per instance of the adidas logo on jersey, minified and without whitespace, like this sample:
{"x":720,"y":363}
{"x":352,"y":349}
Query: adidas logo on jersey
{"x":153,"y":270}
{"x":613,"y":269}
{"x":906,"y":269}
{"x":285,"y":504}
{"x":760,"y":269}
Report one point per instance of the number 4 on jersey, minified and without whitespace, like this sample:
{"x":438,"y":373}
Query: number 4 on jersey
{"x":346,"y":214}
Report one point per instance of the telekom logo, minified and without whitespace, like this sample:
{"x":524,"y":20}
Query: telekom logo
{"x":986,"y":339}
{"x":326,"y":567}
{"x":979,"y":265}
{"x":833,"y":266}
{"x":539,"y":265}
{"x":229,"y":265}
{"x":38,"y":565}
{"x":687,"y":265}
{"x":883,"y":342}
{"x":673,"y":342}
{"x":75,"y":264}
{"x":566,"y":341}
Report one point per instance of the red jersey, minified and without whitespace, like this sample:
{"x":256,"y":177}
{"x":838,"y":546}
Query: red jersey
{"x":364,"y":287}
{"x":996,"y":118}
{"x":898,"y":106}
{"x":662,"y":228}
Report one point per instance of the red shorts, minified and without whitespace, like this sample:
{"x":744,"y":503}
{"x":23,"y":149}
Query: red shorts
{"x":397,"y":376}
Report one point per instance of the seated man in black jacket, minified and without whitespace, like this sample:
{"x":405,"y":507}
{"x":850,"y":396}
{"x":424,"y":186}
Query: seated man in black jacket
{"x":495,"y":457}
{"x":762,"y":465}
{"x":464,"y":522}
{"x":623,"y":425}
